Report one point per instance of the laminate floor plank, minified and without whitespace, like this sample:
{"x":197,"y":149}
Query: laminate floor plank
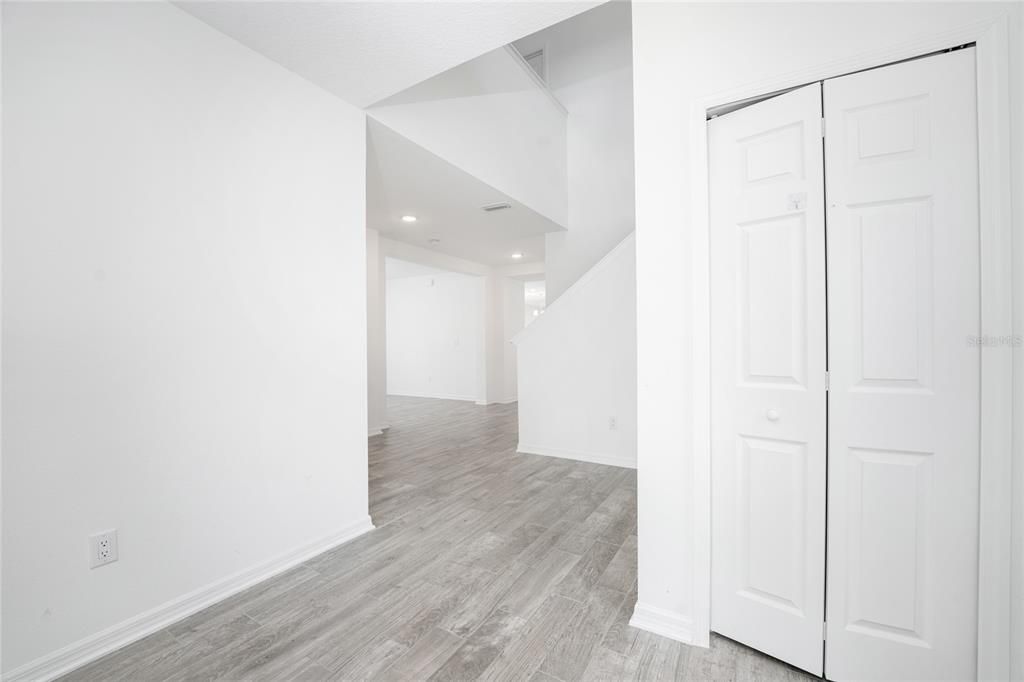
{"x":425,"y":658}
{"x":573,"y":648}
{"x":620,"y":573}
{"x":485,"y":564}
{"x":481,"y":648}
{"x":525,"y":655}
{"x":580,"y":582}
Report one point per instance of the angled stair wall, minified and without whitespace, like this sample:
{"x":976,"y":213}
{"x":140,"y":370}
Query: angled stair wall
{"x":577,"y":367}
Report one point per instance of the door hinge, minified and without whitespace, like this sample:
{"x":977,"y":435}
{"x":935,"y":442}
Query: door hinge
{"x":824,"y":631}
{"x":822,"y":126}
{"x":828,"y":380}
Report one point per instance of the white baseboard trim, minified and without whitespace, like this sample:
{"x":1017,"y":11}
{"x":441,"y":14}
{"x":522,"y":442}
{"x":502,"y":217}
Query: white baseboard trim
{"x":89,"y":649}
{"x":595,"y":458}
{"x":435,"y":396}
{"x":662,"y":622}
{"x":504,"y":401}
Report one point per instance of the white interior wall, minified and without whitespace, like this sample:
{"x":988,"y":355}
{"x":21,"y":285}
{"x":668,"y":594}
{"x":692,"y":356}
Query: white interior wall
{"x":577,"y":368}
{"x":589,"y":63}
{"x":376,"y":336}
{"x":494,"y":384}
{"x":435,"y":336}
{"x":513,"y":311}
{"x":503,"y":315}
{"x":492,"y":360}
{"x":577,"y":372}
{"x":684,"y":53}
{"x":1017,"y":133}
{"x":535,"y":301}
{"x":504,"y":310}
{"x":1,"y":354}
{"x":184,"y":335}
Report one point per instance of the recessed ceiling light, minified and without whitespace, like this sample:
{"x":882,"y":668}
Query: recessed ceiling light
{"x":517,"y":256}
{"x":408,"y":219}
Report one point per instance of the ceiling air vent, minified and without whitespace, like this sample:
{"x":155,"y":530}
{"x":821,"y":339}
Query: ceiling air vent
{"x":496,"y":207}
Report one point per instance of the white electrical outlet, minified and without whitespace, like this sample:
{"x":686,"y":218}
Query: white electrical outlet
{"x":102,"y":548}
{"x":613,"y":424}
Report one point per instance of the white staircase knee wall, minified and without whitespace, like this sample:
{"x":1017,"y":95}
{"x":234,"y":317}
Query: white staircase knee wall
{"x":577,"y":368}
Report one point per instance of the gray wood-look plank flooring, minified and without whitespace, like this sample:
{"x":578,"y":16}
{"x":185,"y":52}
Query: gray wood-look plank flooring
{"x":485,"y":564}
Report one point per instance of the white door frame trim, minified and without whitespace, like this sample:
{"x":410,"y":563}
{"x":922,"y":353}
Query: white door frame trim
{"x":995,"y":539}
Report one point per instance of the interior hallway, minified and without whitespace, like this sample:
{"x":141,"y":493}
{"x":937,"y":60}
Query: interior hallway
{"x":485,"y":564}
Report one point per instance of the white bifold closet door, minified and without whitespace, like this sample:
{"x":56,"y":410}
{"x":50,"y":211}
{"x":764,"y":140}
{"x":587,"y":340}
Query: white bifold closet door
{"x":904,"y":297}
{"x":768,"y":376}
{"x":897,"y":204}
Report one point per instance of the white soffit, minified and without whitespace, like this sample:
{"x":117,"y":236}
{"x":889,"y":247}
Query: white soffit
{"x":403,"y":179}
{"x":366,"y":51}
{"x":397,"y":269}
{"x":492,"y":118}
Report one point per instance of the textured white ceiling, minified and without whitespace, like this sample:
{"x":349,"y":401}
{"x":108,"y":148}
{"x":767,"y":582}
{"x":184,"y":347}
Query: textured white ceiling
{"x":366,"y":51}
{"x":402,"y":178}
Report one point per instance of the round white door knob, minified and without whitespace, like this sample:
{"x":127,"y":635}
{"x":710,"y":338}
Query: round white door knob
{"x":773,"y":415}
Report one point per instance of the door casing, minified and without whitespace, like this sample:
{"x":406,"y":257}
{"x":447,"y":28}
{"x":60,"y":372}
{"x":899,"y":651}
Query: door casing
{"x":996,"y":631}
